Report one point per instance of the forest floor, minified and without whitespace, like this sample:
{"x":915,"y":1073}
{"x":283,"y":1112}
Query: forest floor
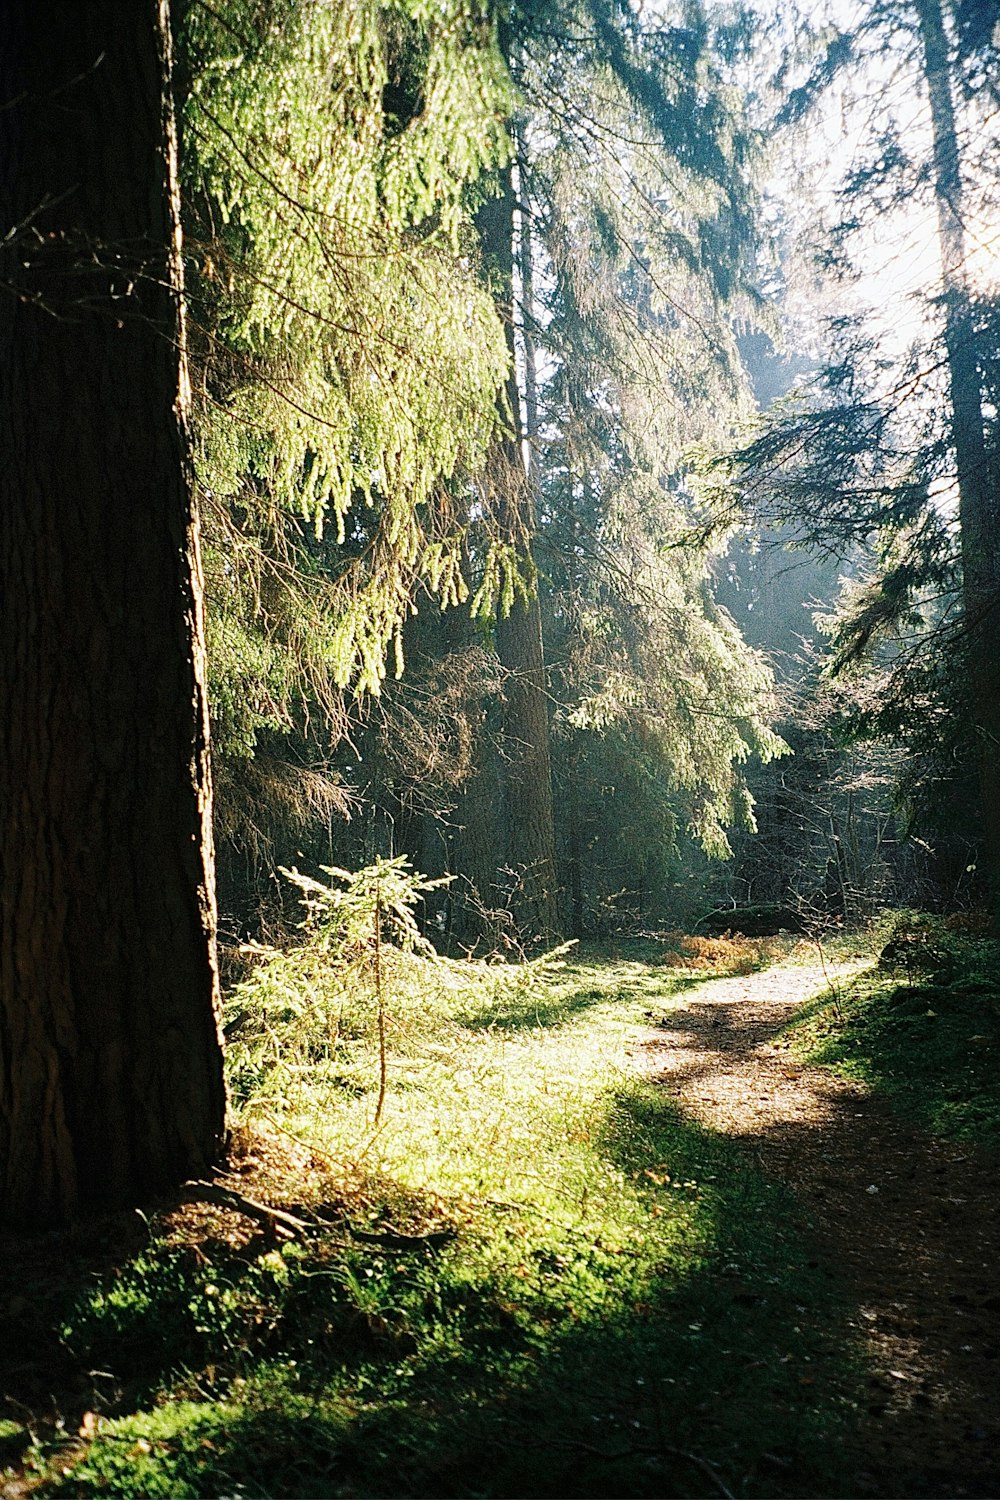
{"x":618,"y":1234}
{"x":910,"y":1222}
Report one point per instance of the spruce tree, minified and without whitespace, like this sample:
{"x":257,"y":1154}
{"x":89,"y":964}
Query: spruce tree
{"x":347,"y":362}
{"x":110,"y":1059}
{"x":892,"y":451}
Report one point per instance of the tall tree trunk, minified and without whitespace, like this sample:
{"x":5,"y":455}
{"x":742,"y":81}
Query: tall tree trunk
{"x":111,"y":1082}
{"x":471,"y":833}
{"x":574,"y":844}
{"x":526,"y":271}
{"x":528,"y":813}
{"x":979,"y":503}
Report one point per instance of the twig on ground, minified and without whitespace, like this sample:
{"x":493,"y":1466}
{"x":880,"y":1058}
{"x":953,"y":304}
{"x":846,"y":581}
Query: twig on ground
{"x":396,"y":1240}
{"x":261,"y":1213}
{"x":701,"y":1464}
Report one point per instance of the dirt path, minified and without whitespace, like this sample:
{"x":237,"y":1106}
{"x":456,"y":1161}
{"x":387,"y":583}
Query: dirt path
{"x":910,"y":1224}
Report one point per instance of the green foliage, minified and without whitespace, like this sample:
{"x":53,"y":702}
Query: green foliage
{"x":621,"y":1290}
{"x":14,"y":1439}
{"x":309,"y":1017}
{"x":313,"y":1006}
{"x":923,"y":1029}
{"x":347,"y":358}
{"x":385,"y":355}
{"x":657,"y":98}
{"x":662,"y":703}
{"x":368,"y":906}
{"x":668,"y":673}
{"x":640,"y":202}
{"x":251,"y":683}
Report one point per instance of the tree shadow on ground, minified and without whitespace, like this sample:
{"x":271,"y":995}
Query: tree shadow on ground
{"x":42,"y":1276}
{"x":909,"y":1221}
{"x":913,"y":1226}
{"x":726,"y":1365}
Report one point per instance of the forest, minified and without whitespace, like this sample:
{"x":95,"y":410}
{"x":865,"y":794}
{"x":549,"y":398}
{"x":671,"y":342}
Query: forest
{"x":499,"y":748}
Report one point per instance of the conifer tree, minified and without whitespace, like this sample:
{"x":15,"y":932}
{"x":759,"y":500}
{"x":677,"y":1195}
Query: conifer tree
{"x":524,"y":830}
{"x":347,"y":365}
{"x":975,"y":470}
{"x":614,"y":244}
{"x":110,"y":1059}
{"x":637,"y":189}
{"x":893,"y":453}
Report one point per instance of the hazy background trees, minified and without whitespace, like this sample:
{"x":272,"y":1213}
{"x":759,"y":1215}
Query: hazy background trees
{"x":470,"y":362}
{"x":885,"y":462}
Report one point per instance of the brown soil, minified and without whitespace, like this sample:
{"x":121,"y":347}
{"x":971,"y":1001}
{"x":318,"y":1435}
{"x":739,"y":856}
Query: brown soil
{"x":909,"y":1224}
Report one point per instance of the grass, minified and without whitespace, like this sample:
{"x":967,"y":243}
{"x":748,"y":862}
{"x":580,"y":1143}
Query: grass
{"x":921,"y":1029}
{"x":616,"y":1301}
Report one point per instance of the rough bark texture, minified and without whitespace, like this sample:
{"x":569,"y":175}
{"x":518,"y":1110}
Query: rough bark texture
{"x":110,"y":1060}
{"x":979,"y":502}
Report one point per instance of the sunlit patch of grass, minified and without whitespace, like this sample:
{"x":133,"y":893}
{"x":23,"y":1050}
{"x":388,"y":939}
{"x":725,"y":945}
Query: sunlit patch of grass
{"x":922,"y":1028}
{"x":623,"y":1303}
{"x":494,"y":1077}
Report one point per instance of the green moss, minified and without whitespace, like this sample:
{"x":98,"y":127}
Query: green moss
{"x":922,"y":1029}
{"x":623,"y":1289}
{"x":14,"y":1439}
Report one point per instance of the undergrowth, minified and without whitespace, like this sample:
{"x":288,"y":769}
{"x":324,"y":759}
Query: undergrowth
{"x":922,"y":1028}
{"x":729,"y":953}
{"x":532,"y":1277}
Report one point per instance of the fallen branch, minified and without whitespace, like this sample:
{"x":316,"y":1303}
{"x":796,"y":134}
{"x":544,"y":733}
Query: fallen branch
{"x":261,"y":1213}
{"x":701,"y":1464}
{"x":394,"y":1239}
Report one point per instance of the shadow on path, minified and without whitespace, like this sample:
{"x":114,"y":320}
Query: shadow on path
{"x":911,"y":1224}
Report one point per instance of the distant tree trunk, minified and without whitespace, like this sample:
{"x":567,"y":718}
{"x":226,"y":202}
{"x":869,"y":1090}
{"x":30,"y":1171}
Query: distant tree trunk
{"x":979,"y":503}
{"x":111,"y":1082}
{"x":575,"y":844}
{"x":528,"y":812}
{"x":526,"y":270}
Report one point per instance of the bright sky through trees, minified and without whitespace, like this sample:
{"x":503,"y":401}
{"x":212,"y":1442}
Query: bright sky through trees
{"x":895,"y":254}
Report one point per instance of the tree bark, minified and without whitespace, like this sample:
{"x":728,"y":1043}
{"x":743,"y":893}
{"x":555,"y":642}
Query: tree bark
{"x":979,"y":504}
{"x":528,"y":812}
{"x":111,"y":1082}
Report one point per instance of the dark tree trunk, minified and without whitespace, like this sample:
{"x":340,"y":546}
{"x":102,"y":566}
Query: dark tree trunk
{"x":111,"y":1081}
{"x":474,"y":857}
{"x":529,"y":813}
{"x":979,"y":502}
{"x":575,"y":845}
{"x":527,"y":818}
